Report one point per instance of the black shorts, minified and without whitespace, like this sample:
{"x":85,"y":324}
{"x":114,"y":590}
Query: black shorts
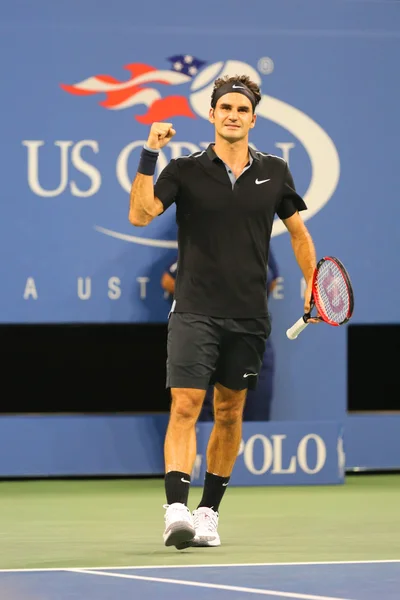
{"x":206,"y":350}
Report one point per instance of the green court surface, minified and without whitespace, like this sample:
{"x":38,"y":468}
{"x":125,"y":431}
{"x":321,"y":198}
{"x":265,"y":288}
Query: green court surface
{"x":52,"y":524}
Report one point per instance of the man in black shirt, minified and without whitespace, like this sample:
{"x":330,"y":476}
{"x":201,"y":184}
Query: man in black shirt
{"x":226,"y":198}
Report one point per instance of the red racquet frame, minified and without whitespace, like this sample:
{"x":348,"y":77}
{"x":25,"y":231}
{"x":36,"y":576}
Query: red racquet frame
{"x":316,"y":297}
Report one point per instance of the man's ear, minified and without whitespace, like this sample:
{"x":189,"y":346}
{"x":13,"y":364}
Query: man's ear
{"x":211,"y":117}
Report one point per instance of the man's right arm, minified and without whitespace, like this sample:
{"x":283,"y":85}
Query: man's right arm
{"x":144,"y":206}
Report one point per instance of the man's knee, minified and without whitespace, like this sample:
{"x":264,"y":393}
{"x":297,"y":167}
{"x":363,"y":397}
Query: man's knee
{"x":186,"y":403}
{"x":228,"y":406}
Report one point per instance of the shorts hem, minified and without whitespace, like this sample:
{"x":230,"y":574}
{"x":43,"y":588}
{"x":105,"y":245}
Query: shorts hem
{"x":238,"y":387}
{"x":189,"y":382}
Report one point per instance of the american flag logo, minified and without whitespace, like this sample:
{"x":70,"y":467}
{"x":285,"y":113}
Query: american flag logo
{"x":138,"y":90}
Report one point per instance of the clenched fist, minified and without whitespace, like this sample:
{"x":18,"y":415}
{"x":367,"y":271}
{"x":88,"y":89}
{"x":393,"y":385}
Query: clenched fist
{"x":160,"y":134}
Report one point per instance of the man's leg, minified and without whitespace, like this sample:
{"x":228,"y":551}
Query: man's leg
{"x":241,"y":352}
{"x":224,"y":443}
{"x":180,"y":442}
{"x":180,"y":454}
{"x":222,"y":451}
{"x":193,"y":346}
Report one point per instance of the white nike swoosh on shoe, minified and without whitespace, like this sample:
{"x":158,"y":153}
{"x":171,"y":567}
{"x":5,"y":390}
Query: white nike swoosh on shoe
{"x":258,"y":182}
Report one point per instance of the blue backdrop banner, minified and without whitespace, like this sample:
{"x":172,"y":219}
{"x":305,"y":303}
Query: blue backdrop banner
{"x":276,"y":453}
{"x":79,"y":445}
{"x":86,"y":79}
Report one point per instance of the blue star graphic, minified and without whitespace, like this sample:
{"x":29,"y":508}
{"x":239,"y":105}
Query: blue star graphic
{"x":186,"y":64}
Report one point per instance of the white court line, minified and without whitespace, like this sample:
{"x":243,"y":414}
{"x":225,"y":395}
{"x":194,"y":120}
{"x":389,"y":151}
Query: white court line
{"x":206,"y":565}
{"x":213,"y":586}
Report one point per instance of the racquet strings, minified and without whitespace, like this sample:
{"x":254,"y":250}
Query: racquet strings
{"x":331,"y":292}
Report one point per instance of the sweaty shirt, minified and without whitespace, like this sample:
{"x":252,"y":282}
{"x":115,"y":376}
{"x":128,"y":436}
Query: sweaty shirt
{"x":224,"y":230}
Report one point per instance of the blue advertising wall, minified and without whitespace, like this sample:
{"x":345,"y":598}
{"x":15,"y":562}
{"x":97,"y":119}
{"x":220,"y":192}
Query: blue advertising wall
{"x":82,"y":83}
{"x":273,"y":453}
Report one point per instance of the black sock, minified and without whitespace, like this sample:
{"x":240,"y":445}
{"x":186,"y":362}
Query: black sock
{"x":214,"y":489}
{"x":177,"y":487}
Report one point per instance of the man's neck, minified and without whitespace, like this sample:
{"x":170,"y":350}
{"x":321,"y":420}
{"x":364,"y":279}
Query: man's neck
{"x":235,"y":155}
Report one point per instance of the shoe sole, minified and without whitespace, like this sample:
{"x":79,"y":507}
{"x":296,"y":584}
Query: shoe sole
{"x":180,"y":536}
{"x":200,"y":543}
{"x":205,"y":543}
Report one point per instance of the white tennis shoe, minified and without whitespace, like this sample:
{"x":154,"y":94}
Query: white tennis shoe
{"x":206,"y":525}
{"x":179,"y":529}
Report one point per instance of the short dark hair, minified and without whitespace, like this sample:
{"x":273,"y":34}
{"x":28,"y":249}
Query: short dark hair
{"x":245,"y":79}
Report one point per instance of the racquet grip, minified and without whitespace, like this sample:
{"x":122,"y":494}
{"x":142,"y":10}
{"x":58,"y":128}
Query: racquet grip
{"x":297,"y":328}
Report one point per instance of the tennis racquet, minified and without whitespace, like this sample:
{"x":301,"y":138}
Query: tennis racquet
{"x":332,"y":296}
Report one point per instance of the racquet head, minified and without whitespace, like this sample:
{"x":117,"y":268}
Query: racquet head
{"x":332,"y":292}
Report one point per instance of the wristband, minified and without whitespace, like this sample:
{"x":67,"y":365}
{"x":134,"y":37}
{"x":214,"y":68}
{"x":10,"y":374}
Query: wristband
{"x":147,"y":162}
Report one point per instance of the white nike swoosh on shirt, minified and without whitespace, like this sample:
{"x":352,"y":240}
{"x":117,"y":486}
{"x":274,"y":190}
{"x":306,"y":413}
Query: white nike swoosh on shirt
{"x":262,"y":181}
{"x":249,"y":375}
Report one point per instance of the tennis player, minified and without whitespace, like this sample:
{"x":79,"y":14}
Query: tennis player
{"x":226,"y":198}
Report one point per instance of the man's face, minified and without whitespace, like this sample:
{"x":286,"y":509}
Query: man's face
{"x":232,"y":116}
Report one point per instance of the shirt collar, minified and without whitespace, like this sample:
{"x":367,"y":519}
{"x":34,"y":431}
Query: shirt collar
{"x":212,"y":156}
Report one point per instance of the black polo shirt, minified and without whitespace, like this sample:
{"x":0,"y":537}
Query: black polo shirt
{"x":224,"y":231}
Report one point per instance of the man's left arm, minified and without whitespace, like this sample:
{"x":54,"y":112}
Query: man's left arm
{"x":304,"y":251}
{"x":302,"y":243}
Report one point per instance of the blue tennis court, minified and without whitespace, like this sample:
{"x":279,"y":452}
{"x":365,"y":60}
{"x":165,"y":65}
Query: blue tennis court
{"x":370,"y":580}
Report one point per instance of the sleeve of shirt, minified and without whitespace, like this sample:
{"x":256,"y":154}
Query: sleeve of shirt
{"x":167,"y":185}
{"x":290,"y":201}
{"x":272,"y":265}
